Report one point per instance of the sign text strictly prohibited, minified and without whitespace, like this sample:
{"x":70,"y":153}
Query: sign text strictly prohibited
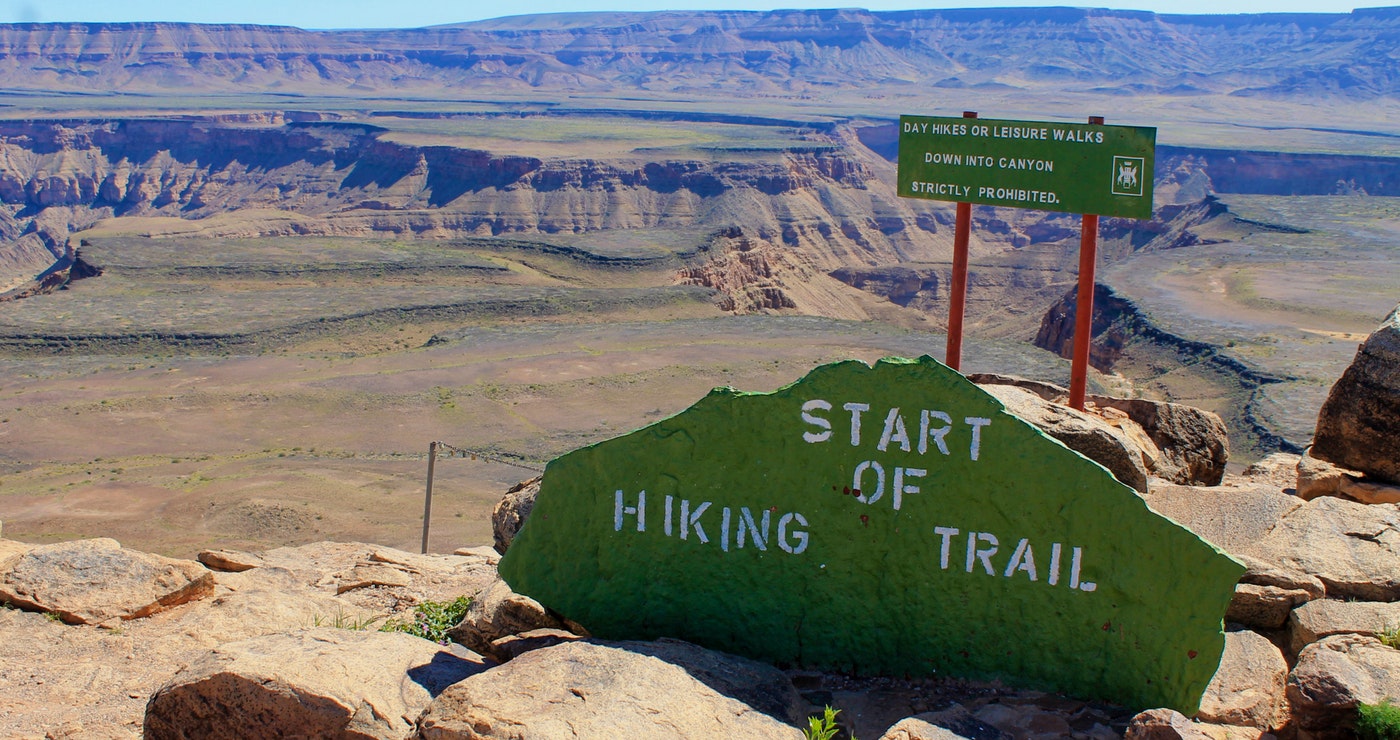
{"x":1070,"y":167}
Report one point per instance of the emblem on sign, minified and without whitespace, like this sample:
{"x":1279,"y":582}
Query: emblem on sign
{"x":1127,"y":176}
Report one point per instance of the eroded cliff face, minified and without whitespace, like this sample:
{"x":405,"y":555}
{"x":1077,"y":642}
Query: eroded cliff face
{"x":728,"y":52}
{"x":796,"y":214}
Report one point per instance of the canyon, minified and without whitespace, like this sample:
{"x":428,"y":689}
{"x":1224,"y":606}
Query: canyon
{"x":238,"y":205}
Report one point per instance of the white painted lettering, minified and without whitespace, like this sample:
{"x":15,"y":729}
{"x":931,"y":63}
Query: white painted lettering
{"x":1054,"y":578}
{"x":666,"y":526}
{"x":797,"y":534}
{"x":900,"y":488}
{"x":937,"y":434}
{"x":747,"y":524}
{"x":976,"y":423}
{"x":639,"y":511}
{"x":691,"y":520}
{"x":1074,"y":564}
{"x":856,"y":410}
{"x":1023,"y":559}
{"x":894,"y":432}
{"x":866,"y":497}
{"x":724,"y":529}
{"x":821,"y":423}
{"x":947,"y":533}
{"x":985,"y":554}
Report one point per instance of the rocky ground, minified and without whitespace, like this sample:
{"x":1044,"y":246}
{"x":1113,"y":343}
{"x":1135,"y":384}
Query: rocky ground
{"x":101,"y":641}
{"x":1301,"y":649}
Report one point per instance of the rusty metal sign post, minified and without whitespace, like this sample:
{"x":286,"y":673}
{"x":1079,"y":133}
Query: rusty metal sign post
{"x":1090,"y":169}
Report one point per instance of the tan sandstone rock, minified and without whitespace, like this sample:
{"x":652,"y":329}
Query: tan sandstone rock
{"x":583,"y":690}
{"x":1354,"y":549}
{"x":511,"y":647}
{"x":1335,"y":674}
{"x":230,"y":561}
{"x":914,"y":728}
{"x":499,"y":612}
{"x":365,"y":575}
{"x":1231,"y":517}
{"x":511,"y":511}
{"x":1263,"y":607}
{"x":92,"y":581}
{"x":1265,"y":573}
{"x":1279,"y":469}
{"x":1194,"y":444}
{"x":1248,"y":688}
{"x":314,"y":683}
{"x":1164,"y":724}
{"x":1084,"y":433}
{"x":1318,"y":619}
{"x":1356,"y":427}
{"x":1321,"y":478}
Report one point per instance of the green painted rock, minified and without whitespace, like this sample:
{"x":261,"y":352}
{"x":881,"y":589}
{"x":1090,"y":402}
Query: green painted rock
{"x":889,"y":519}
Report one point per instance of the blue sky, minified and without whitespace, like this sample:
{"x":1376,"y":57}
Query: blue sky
{"x":382,"y":14}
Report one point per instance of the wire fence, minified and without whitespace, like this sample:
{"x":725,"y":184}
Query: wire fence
{"x":442,"y":449}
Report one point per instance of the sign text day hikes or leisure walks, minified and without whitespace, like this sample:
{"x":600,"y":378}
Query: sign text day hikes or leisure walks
{"x":1070,"y":167}
{"x":890,"y":519}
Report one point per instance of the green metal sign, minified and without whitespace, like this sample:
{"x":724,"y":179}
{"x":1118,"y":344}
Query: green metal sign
{"x":889,"y":519}
{"x":1071,"y":167}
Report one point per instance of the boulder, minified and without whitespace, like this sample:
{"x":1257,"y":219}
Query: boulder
{"x":1263,"y":607}
{"x":1084,"y":433}
{"x":1357,"y":423}
{"x":1163,"y":724}
{"x":1193,"y":442}
{"x":1354,"y":549}
{"x":1318,"y":619}
{"x":1248,"y":688}
{"x":314,"y":683}
{"x":1231,"y":517}
{"x":1321,"y":478}
{"x":617,"y":690}
{"x":92,"y":581}
{"x":1336,"y":674}
{"x":499,"y":612}
{"x":512,"y":511}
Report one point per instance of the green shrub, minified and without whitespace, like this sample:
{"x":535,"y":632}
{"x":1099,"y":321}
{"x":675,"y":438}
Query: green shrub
{"x":823,"y":727}
{"x":1390,"y":636}
{"x":1378,"y":721}
{"x":431,"y":619}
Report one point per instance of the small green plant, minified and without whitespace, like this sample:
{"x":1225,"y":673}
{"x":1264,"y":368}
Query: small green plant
{"x":823,"y":727}
{"x":431,"y":619}
{"x":1390,"y":636}
{"x":343,"y":621}
{"x":1378,"y":721}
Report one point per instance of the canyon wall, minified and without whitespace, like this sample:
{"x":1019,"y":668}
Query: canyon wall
{"x":785,"y":51}
{"x":809,"y":209}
